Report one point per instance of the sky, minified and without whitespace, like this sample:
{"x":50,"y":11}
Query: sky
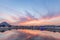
{"x":14,"y":10}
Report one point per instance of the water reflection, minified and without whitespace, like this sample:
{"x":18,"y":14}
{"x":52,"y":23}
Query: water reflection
{"x":29,"y":35}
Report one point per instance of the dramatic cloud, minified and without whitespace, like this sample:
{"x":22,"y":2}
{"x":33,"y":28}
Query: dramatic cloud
{"x":44,"y":21}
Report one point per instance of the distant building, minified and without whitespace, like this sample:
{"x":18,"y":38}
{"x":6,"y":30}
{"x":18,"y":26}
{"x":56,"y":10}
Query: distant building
{"x":4,"y":24}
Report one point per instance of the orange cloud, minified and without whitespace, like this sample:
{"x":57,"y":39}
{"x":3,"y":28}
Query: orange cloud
{"x":47,"y":21}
